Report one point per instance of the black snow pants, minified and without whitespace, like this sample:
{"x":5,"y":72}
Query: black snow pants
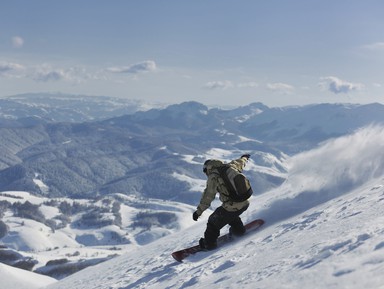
{"x":221,"y":217}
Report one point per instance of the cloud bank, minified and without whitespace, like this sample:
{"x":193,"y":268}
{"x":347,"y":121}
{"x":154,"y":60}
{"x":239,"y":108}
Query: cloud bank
{"x":10,"y":68}
{"x":49,"y":75}
{"x":377,"y":46}
{"x":212,"y":85}
{"x":45,"y":73}
{"x":337,"y":85}
{"x":145,"y":66}
{"x":225,"y":84}
{"x":280,"y":87}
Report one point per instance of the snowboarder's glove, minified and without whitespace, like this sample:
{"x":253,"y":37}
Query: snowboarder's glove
{"x":195,"y":216}
{"x":247,"y":156}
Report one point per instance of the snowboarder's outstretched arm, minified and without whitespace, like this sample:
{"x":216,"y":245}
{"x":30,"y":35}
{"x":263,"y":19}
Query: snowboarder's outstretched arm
{"x":240,"y":163}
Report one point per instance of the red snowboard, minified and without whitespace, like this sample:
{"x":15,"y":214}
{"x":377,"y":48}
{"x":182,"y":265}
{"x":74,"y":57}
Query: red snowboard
{"x":182,"y":254}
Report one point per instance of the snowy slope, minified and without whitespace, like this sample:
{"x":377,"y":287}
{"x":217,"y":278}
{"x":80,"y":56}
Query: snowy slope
{"x":324,"y":229}
{"x":90,"y":235}
{"x":12,"y":278}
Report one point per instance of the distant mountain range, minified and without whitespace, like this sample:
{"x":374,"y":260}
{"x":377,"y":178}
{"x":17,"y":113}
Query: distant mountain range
{"x":79,"y":146}
{"x":68,"y":108}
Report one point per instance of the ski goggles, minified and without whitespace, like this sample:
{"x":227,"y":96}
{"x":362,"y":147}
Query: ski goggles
{"x":205,"y":167}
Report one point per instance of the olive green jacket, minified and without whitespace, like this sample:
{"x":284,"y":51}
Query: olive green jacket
{"x":215,"y":184}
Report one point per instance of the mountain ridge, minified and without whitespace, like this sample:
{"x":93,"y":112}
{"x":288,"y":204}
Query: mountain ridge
{"x":133,"y":152}
{"x":156,"y":155}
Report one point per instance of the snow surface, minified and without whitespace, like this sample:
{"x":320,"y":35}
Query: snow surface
{"x":324,"y":229}
{"x":14,"y":278}
{"x":34,"y":239}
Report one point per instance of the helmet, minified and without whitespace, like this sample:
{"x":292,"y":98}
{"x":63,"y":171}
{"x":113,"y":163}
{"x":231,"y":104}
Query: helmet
{"x":211,"y":164}
{"x":205,"y":166}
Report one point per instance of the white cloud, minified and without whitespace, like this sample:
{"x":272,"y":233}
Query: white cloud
{"x":225,"y":84}
{"x":45,"y":76}
{"x":248,"y":84}
{"x":17,"y":42}
{"x":10,"y":68}
{"x":145,"y":66}
{"x":337,"y":85}
{"x":281,"y":87}
{"x":46,"y":73}
{"x":218,"y":84}
{"x":377,"y":46}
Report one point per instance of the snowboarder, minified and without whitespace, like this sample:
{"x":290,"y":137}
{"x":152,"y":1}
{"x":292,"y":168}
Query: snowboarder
{"x":229,"y":212}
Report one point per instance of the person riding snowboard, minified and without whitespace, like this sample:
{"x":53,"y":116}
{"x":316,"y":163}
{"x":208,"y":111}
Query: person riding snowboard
{"x":229,"y":212}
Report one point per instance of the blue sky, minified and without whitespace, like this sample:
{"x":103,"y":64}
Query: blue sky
{"x":213,"y":51}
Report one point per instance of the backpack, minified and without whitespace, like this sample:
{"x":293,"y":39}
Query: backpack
{"x":237,"y":184}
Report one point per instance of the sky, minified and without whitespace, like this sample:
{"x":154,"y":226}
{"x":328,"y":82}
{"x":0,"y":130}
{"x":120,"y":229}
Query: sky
{"x":217,"y":52}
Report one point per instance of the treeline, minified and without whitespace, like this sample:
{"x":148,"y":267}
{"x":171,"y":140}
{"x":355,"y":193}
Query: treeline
{"x":90,"y":215}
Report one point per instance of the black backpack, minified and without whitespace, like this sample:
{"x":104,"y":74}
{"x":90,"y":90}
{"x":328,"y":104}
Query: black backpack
{"x":237,"y":184}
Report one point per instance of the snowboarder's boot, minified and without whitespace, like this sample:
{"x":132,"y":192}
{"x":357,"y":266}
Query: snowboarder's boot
{"x":207,"y":246}
{"x":234,"y":231}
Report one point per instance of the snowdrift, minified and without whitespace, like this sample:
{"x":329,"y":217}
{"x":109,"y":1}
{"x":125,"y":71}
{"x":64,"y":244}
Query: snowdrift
{"x":324,"y":229}
{"x":12,"y":277}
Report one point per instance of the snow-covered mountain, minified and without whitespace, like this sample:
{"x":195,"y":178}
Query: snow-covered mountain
{"x":67,"y":108}
{"x":58,"y":237}
{"x":12,"y":278}
{"x":136,"y":154}
{"x":142,"y":153}
{"x":324,"y":229}
{"x":76,"y":193}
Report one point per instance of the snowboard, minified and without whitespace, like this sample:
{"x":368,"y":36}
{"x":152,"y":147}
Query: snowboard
{"x":184,"y":253}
